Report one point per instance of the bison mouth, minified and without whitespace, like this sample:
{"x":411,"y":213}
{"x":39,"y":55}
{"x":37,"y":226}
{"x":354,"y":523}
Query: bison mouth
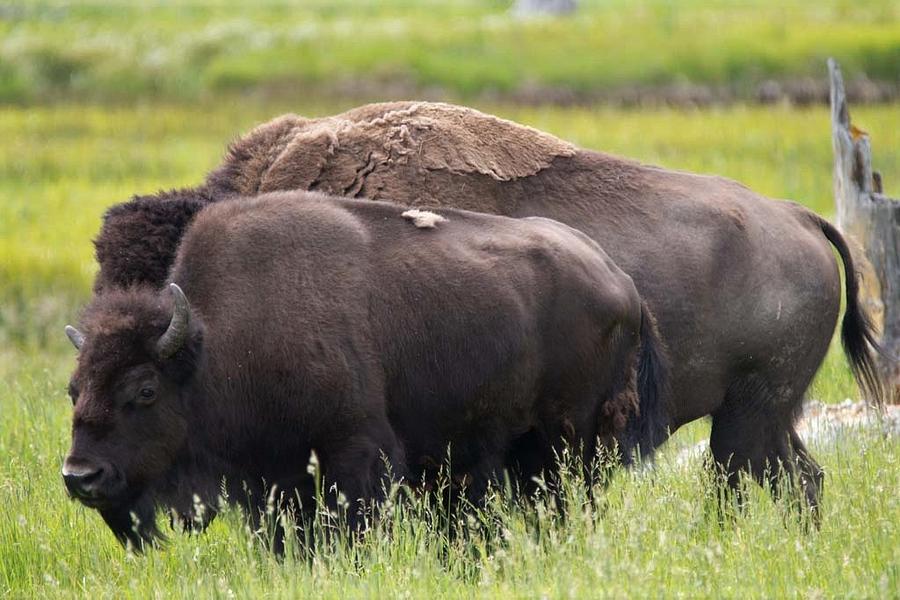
{"x":95,"y":500}
{"x":134,"y":523}
{"x":130,"y":513}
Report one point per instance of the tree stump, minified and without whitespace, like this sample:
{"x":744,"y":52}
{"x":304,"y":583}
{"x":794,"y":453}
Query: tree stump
{"x":871,"y":219}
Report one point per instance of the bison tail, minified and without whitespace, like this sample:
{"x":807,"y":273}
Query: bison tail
{"x":647,"y":428}
{"x":857,"y":332}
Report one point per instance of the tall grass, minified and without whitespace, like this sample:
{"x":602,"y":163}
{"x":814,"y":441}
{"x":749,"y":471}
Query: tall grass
{"x":651,"y":532}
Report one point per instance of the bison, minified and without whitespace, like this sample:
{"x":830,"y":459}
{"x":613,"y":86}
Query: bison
{"x":746,"y":290}
{"x":373,"y":335}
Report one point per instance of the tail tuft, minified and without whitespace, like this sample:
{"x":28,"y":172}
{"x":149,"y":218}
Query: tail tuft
{"x":857,"y":332}
{"x":648,"y":428}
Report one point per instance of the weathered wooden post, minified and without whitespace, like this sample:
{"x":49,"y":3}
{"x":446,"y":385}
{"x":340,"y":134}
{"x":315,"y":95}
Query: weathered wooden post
{"x":873,"y":220}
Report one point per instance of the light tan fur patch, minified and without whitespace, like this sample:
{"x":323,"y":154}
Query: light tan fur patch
{"x":423,"y":219}
{"x":347,"y":154}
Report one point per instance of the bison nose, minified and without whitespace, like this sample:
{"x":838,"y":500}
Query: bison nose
{"x":82,"y":479}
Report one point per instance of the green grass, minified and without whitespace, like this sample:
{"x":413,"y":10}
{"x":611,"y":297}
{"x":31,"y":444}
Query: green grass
{"x":189,"y":50}
{"x":62,"y":165}
{"x":650,"y":534}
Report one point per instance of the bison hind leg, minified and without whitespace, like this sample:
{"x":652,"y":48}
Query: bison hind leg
{"x":753,"y":432}
{"x":811,"y":474}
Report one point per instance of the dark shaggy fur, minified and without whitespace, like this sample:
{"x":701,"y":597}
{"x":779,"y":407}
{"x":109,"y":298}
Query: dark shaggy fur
{"x":745,"y":289}
{"x":646,"y":428}
{"x":138,"y":240}
{"x":341,"y":327}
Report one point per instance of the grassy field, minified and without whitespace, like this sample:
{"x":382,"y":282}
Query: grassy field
{"x":102,"y":100}
{"x":188,"y":50}
{"x":651,"y":534}
{"x":654,"y":533}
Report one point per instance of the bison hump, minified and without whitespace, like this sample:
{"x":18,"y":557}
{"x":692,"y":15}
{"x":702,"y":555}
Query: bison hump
{"x":336,"y":154}
{"x":464,"y":140}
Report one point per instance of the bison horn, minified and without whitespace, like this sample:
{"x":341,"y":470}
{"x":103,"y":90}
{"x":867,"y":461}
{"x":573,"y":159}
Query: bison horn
{"x":75,"y":336}
{"x":173,"y":339}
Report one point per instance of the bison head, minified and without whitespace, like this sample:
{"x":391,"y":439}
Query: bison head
{"x":136,"y":356}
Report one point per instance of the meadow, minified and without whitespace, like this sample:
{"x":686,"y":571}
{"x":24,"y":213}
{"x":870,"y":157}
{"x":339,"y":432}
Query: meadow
{"x":651,"y":532}
{"x":103,"y":100}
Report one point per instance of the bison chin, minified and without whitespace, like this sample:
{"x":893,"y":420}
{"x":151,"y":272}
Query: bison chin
{"x":134,"y":525}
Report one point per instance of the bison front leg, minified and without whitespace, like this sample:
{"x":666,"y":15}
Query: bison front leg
{"x":358,"y":473}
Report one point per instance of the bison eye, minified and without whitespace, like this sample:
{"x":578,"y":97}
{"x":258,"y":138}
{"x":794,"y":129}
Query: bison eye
{"x":147,"y":393}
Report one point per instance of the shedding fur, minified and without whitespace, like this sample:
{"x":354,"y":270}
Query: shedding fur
{"x":357,"y":152}
{"x":423,"y":219}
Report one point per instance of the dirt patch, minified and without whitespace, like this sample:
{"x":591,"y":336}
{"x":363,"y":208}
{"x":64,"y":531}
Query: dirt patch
{"x":824,"y":422}
{"x":804,"y":91}
{"x":801,"y":91}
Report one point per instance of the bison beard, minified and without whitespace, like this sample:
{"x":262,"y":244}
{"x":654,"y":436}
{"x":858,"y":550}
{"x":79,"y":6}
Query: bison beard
{"x":134,"y":524}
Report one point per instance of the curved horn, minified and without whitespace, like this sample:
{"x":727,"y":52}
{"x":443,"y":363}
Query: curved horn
{"x":75,"y":336}
{"x":176,"y":334}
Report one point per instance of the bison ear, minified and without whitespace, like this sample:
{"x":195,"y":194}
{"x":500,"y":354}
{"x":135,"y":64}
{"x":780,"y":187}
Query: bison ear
{"x":75,"y":336}
{"x":176,"y":334}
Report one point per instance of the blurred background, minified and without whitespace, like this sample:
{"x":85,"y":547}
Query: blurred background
{"x":625,"y":52}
